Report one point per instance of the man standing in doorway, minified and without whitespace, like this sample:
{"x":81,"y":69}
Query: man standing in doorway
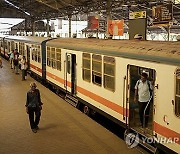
{"x":143,"y":89}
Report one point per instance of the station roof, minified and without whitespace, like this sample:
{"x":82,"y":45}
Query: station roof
{"x":49,"y":9}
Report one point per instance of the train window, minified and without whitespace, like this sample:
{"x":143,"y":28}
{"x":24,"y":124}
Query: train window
{"x":53,"y":60}
{"x":86,"y":69}
{"x":5,"y":44}
{"x":39,"y":53}
{"x":109,"y":73}
{"x":97,"y":69}
{"x":58,"y":59}
{"x":48,"y":56}
{"x":33,"y":53}
{"x":16,"y":46}
{"x":177,"y":97}
{"x":12,"y":45}
{"x":68,"y":64}
{"x":21,"y":48}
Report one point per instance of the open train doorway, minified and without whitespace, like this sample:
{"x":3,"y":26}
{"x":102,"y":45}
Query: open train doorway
{"x":70,"y":81}
{"x":28,"y":56}
{"x":141,"y":106}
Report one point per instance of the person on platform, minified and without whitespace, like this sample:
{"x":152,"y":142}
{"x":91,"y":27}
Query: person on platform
{"x":34,"y":106}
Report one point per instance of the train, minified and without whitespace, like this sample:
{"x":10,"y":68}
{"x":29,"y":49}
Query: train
{"x":98,"y":75}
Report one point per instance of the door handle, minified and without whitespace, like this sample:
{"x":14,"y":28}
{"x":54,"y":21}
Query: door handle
{"x":157,"y":86}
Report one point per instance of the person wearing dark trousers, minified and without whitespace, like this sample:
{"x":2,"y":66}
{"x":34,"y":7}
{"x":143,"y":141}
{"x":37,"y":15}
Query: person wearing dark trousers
{"x":16,"y":61}
{"x":23,"y":67}
{"x":143,"y":89}
{"x":34,"y":106}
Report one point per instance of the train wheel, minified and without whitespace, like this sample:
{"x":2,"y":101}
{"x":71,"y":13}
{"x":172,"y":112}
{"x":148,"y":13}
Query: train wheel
{"x":86,"y":110}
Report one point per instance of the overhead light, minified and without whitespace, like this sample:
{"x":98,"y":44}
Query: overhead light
{"x":17,"y":7}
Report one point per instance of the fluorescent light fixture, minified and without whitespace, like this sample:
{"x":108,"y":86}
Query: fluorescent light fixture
{"x":177,"y":1}
{"x":17,"y":7}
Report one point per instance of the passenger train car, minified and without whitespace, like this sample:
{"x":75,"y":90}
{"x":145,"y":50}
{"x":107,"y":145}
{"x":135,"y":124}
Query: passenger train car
{"x":26,"y":45}
{"x":100,"y":75}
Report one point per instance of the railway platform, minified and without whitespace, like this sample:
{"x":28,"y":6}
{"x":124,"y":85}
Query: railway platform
{"x":63,"y":128}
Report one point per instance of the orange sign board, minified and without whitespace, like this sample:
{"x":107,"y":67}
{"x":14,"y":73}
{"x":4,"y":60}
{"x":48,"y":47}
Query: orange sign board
{"x":116,"y":27}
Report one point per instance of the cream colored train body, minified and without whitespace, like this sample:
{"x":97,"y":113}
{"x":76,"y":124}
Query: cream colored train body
{"x":100,"y":75}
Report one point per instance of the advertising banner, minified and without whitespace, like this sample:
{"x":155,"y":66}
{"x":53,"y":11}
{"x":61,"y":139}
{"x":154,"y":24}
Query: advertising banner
{"x":93,"y":22}
{"x":116,"y":27}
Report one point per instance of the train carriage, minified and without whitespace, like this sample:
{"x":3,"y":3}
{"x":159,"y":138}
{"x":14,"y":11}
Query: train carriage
{"x":32,"y":48}
{"x":2,"y":45}
{"x":100,"y":75}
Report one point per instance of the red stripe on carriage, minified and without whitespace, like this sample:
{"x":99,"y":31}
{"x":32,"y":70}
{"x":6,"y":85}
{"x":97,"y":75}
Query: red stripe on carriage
{"x":166,"y":132}
{"x":36,"y":68}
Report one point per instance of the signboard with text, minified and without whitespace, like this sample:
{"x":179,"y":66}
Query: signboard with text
{"x":137,"y":15}
{"x":162,"y":14}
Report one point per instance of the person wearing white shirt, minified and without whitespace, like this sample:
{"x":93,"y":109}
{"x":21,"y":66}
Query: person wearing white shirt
{"x":143,"y":89}
{"x":23,"y":67}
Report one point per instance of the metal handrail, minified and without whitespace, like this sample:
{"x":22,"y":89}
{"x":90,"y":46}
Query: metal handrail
{"x":124,"y":80}
{"x":145,"y":110}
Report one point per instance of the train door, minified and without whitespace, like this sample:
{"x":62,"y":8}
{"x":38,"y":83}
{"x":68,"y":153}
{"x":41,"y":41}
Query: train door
{"x":28,"y":56}
{"x":70,"y":81}
{"x":137,"y":118}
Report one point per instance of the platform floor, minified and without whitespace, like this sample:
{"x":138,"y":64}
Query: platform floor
{"x":63,"y":128}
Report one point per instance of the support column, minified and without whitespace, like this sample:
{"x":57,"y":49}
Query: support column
{"x":26,"y":20}
{"x":108,"y":16}
{"x":33,"y":26}
{"x":168,"y":30}
{"x":70,"y":19}
{"x":47,"y":26}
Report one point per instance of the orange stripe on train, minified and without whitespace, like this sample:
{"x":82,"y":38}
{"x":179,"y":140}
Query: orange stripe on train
{"x":166,"y":132}
{"x":101,"y":100}
{"x":36,"y":68}
{"x":157,"y":127}
{"x":60,"y":80}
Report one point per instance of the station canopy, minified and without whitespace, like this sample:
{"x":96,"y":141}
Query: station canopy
{"x":80,"y":9}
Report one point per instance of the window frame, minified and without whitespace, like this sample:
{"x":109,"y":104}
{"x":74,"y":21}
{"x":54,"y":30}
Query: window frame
{"x":95,"y":58}
{"x":110,"y":61}
{"x":58,"y":60}
{"x":38,"y":53}
{"x":86,"y":56}
{"x":48,"y":60}
{"x":53,"y":59}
